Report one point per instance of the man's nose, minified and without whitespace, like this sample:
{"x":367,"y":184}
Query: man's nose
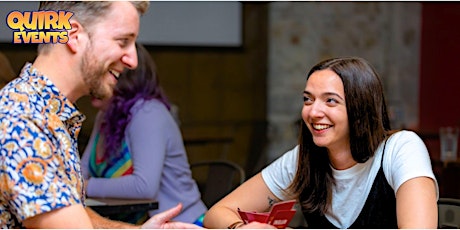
{"x":130,"y":58}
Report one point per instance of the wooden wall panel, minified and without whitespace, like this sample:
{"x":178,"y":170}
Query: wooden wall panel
{"x":221,"y":92}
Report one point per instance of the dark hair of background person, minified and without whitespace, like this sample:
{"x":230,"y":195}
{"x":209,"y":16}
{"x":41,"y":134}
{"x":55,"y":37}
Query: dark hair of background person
{"x":133,"y":85}
{"x":368,"y":122}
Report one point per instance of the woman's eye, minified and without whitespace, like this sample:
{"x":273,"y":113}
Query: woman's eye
{"x":332,"y":100}
{"x":307,"y":100}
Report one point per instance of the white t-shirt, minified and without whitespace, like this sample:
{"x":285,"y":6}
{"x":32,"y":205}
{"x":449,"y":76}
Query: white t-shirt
{"x":406,"y":157}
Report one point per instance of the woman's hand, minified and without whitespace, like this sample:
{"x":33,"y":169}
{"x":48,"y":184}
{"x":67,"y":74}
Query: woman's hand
{"x":258,"y":225}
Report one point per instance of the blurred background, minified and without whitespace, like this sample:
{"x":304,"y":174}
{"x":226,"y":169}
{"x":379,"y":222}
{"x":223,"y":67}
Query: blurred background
{"x":236,"y":70}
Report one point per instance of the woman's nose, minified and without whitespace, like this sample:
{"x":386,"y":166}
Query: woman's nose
{"x":316,"y":110}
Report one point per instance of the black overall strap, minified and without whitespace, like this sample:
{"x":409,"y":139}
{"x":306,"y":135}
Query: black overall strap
{"x":379,"y":211}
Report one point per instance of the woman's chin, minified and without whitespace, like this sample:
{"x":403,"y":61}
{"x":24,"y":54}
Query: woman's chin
{"x":320,"y":142}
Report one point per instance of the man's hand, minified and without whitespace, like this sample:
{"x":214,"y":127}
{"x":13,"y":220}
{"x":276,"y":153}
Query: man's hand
{"x":161,"y":220}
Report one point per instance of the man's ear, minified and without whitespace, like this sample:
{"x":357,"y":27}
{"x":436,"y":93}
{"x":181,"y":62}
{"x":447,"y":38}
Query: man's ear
{"x":76,"y":36}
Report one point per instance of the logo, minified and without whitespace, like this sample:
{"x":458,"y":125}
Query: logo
{"x":39,"y":26}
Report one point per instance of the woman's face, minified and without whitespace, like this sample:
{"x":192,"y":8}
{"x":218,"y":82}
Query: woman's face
{"x":324,"y":110}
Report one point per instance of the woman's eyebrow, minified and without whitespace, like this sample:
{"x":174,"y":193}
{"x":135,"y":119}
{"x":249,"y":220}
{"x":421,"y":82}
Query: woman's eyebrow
{"x":333,"y":94}
{"x":325,"y":94}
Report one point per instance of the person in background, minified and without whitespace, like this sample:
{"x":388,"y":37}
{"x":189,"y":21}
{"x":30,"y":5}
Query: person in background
{"x":41,"y":181}
{"x":136,"y":148}
{"x":349,"y":170}
{"x":6,"y":71}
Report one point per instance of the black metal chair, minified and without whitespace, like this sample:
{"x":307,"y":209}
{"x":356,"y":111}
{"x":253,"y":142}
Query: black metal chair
{"x":448,"y":213}
{"x":220,"y":178}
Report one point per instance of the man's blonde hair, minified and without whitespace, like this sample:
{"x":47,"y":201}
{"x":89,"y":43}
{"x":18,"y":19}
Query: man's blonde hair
{"x":85,"y":12}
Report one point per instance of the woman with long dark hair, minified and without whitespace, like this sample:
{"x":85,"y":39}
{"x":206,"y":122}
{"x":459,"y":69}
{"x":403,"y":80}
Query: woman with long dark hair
{"x":136,"y":148}
{"x":349,"y":170}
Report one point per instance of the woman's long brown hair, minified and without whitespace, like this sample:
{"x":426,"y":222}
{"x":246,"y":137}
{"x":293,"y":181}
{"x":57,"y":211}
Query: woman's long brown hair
{"x":369,"y":126}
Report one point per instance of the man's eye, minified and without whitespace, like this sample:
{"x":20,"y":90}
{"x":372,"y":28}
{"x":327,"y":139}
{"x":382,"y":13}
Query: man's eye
{"x":124,"y":42}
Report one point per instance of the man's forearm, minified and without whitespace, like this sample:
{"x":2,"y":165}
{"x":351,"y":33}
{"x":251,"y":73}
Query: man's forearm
{"x":101,"y":222}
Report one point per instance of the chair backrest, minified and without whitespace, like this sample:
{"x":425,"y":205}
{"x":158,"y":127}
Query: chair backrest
{"x":221,"y":177}
{"x":448,"y":213}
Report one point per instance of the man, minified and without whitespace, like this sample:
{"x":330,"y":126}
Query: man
{"x":40,"y":179}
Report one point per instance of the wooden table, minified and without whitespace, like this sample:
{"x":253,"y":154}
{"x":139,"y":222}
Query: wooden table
{"x":109,"y":206}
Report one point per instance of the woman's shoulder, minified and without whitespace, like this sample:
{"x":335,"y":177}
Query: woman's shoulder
{"x":406,"y":157}
{"x":149,"y":106}
{"x":405,"y":144}
{"x":404,"y":135}
{"x":289,"y":157}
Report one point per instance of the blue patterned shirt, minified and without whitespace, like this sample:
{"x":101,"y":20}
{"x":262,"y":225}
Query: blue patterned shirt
{"x":39,"y":159}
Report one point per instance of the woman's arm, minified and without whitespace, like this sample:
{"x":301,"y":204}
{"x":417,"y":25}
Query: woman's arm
{"x":147,"y":134}
{"x":408,"y":163}
{"x":252,"y":195}
{"x":416,"y":204}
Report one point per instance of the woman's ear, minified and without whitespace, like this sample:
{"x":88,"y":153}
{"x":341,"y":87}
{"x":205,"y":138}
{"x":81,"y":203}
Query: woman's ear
{"x":75,"y":36}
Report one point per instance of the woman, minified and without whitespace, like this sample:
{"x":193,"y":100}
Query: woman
{"x":349,"y":169}
{"x":136,"y":148}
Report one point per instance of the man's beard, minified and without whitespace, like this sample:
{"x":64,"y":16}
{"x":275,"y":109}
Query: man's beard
{"x":93,"y":75}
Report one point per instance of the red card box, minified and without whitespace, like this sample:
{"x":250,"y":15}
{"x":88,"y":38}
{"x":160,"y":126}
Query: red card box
{"x":279,"y":215}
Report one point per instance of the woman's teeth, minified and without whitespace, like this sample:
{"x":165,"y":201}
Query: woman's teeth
{"x":321,"y":127}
